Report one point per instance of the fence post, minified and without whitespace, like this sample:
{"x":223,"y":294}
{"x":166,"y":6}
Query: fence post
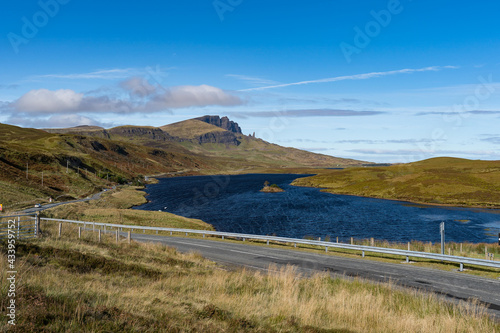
{"x":79,"y":232}
{"x":337,"y":239}
{"x":99,"y":236}
{"x":408,"y":246}
{"x":38,"y":230}
{"x":60,"y":229}
{"x":129,"y":237}
{"x":372,"y":241}
{"x":352,"y":241}
{"x":117,"y":236}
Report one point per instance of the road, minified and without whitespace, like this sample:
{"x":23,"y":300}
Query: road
{"x":452,"y":286}
{"x":51,"y":205}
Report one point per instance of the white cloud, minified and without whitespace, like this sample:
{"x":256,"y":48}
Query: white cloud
{"x":56,"y":121}
{"x":115,"y":73}
{"x":257,"y":81}
{"x":138,"y":86}
{"x":364,"y":76}
{"x":149,"y":99}
{"x":189,"y":96}
{"x":47,"y":101}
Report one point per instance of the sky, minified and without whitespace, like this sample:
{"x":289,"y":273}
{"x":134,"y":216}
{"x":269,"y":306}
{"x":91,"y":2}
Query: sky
{"x":380,"y":81}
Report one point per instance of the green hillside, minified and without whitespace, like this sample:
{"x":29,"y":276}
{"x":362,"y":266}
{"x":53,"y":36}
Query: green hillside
{"x":74,"y":166}
{"x":443,"y":180}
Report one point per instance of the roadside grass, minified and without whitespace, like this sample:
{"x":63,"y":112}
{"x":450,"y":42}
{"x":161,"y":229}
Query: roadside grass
{"x":113,"y":207}
{"x":71,"y":284}
{"x":420,"y":262}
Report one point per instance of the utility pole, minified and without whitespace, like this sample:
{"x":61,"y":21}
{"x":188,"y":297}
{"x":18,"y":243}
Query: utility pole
{"x":441,"y":227}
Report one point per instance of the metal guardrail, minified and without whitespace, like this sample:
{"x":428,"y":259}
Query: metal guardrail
{"x":295,"y":241}
{"x":22,"y":226}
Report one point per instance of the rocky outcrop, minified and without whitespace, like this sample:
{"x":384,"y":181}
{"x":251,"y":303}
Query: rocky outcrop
{"x":227,"y":138}
{"x":223,"y":122}
{"x":150,"y":133}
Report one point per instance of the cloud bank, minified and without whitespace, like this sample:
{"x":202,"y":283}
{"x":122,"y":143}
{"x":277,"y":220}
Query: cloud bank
{"x":54,"y":108}
{"x":306,"y":113}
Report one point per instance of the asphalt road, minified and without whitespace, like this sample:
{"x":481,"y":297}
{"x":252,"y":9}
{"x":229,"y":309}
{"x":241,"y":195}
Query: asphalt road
{"x":453,"y":286}
{"x":47,"y":206}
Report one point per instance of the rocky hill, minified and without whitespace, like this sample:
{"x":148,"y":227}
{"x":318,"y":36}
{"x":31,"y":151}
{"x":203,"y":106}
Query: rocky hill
{"x":218,"y":139}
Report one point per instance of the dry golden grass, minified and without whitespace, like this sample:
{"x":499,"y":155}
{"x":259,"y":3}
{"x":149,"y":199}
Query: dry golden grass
{"x":80,"y":285}
{"x":113,"y":207}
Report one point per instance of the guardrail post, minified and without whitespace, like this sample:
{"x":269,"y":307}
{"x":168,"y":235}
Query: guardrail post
{"x":143,"y":231}
{"x":243,"y":239}
{"x":93,"y":227}
{"x":268,"y":242}
{"x":99,"y":235}
{"x":104,"y":228}
{"x":117,"y":236}
{"x":408,"y":246}
{"x":186,"y":233}
{"x":222,"y":237}
{"x":79,"y":232}
{"x":60,"y":229}
{"x":157,"y":232}
{"x":38,"y":230}
{"x":203,"y":235}
{"x":294,"y":244}
{"x":461,"y":267}
{"x":129,"y":237}
{"x":407,"y":259}
{"x":326,"y":248}
{"x":363,"y":253}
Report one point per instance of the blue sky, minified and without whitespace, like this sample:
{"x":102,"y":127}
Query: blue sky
{"x":382,"y":81}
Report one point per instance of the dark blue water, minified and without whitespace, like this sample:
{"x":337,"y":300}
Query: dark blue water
{"x":234,"y":204}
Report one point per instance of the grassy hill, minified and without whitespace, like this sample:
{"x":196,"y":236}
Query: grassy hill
{"x":444,"y":180}
{"x":190,"y":129}
{"x":74,"y":166}
{"x":213,"y":141}
{"x":226,"y":149}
